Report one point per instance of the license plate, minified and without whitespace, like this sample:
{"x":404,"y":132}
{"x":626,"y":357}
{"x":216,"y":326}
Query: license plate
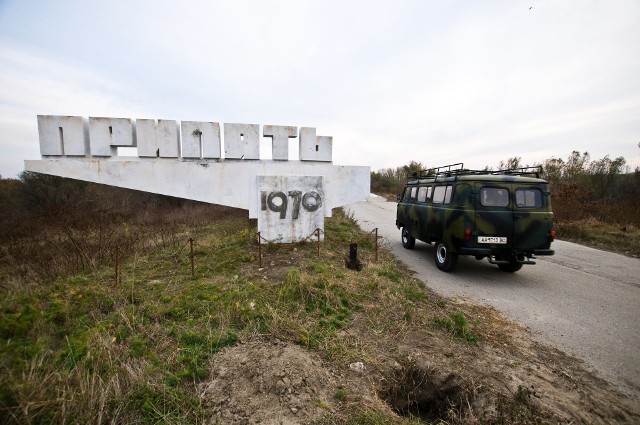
{"x":492,"y":239}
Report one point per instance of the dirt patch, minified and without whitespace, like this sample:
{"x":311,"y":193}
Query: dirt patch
{"x":421,"y":375}
{"x":507,"y":378}
{"x":268,"y":382}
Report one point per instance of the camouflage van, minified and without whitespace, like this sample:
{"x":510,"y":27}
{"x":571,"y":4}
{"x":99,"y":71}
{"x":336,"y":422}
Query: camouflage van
{"x":504,"y":215}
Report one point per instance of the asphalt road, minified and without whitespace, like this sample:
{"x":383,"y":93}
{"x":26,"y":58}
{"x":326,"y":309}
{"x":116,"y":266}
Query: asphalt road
{"x":583,"y":301}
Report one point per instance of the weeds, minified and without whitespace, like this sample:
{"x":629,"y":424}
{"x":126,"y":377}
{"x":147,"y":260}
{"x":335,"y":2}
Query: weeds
{"x":340,"y":395}
{"x":80,"y":348}
{"x":597,"y":234}
{"x":77,"y":348}
{"x":520,"y":408}
{"x":458,"y":325}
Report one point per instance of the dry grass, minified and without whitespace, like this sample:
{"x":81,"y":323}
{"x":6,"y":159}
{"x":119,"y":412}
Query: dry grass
{"x":78,"y":347}
{"x":82,"y":349}
{"x":597,"y":234}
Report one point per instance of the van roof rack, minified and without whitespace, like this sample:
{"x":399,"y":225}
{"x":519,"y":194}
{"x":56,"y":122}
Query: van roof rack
{"x":455,"y":170}
{"x":534,"y":171}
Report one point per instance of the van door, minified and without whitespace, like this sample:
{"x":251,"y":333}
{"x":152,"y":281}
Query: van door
{"x":533,"y":219}
{"x":494,"y":216}
{"x":422,"y":208}
{"x":406,"y":215}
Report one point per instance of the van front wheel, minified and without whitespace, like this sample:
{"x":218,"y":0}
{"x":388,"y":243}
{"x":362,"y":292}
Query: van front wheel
{"x":408,"y":241}
{"x":445,"y":259}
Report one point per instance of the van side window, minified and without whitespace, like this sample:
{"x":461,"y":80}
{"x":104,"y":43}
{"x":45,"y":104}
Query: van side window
{"x":494,"y":197}
{"x":406,"y":194}
{"x":442,"y":194}
{"x":414,"y":190}
{"x":463,"y":194}
{"x":447,"y":195}
{"x":528,"y":198}
{"x":424,"y":193}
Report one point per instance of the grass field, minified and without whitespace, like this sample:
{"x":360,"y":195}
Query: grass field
{"x":591,"y":232}
{"x":78,"y":345}
{"x":83,"y":348}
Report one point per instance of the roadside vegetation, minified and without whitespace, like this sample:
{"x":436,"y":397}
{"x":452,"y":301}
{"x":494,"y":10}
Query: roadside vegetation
{"x":102,"y":321}
{"x":84,"y":342}
{"x":595,"y":202}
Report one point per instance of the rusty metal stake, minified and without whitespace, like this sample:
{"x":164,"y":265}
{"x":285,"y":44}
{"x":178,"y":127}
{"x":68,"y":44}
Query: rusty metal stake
{"x":117,"y":265}
{"x":259,"y":250}
{"x":191,"y":255}
{"x":318,"y":231}
{"x":376,"y":244}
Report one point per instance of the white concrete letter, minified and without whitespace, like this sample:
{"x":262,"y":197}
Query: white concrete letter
{"x":280,"y":136}
{"x":157,"y":140}
{"x":107,"y":134}
{"x":241,"y":141}
{"x":62,"y":135}
{"x":200,"y":139}
{"x":314,"y":148}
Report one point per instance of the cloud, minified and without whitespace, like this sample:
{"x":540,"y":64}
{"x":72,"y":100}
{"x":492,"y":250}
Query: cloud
{"x":32,"y":84}
{"x":437,"y":82}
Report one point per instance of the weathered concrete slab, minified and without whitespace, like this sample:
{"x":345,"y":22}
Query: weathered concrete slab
{"x":231,"y":183}
{"x":291,"y":208}
{"x":289,"y":198}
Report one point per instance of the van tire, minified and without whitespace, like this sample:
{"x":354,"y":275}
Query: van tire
{"x":445,"y":259}
{"x":408,"y":241}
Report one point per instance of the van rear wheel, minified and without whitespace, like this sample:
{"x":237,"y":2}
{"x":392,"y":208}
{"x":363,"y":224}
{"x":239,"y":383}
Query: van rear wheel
{"x":408,"y":241}
{"x":445,"y":259}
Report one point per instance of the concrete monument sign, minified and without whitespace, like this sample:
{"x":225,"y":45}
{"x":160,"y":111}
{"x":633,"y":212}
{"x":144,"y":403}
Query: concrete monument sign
{"x":191,"y":160}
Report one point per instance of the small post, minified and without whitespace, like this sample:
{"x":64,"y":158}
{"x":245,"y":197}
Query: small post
{"x":117,"y":265}
{"x":191,"y":255}
{"x":354,"y":263}
{"x":376,"y":244}
{"x":259,"y":250}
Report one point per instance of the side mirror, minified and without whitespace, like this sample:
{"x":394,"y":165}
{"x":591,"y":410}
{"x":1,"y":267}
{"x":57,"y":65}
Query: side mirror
{"x":398,"y":197}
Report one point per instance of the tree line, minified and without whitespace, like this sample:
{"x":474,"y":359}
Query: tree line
{"x":603,"y":188}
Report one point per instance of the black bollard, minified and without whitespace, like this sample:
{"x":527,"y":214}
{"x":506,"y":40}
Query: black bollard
{"x":354,"y":263}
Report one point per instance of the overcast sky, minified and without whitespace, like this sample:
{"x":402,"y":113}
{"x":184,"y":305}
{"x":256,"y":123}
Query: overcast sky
{"x":437,"y":81}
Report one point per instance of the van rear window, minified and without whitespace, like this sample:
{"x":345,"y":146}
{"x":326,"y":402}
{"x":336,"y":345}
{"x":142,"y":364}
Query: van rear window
{"x":528,"y":198}
{"x":494,"y":197}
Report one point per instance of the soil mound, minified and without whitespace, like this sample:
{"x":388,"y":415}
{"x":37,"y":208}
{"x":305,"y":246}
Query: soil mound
{"x":272,"y":382}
